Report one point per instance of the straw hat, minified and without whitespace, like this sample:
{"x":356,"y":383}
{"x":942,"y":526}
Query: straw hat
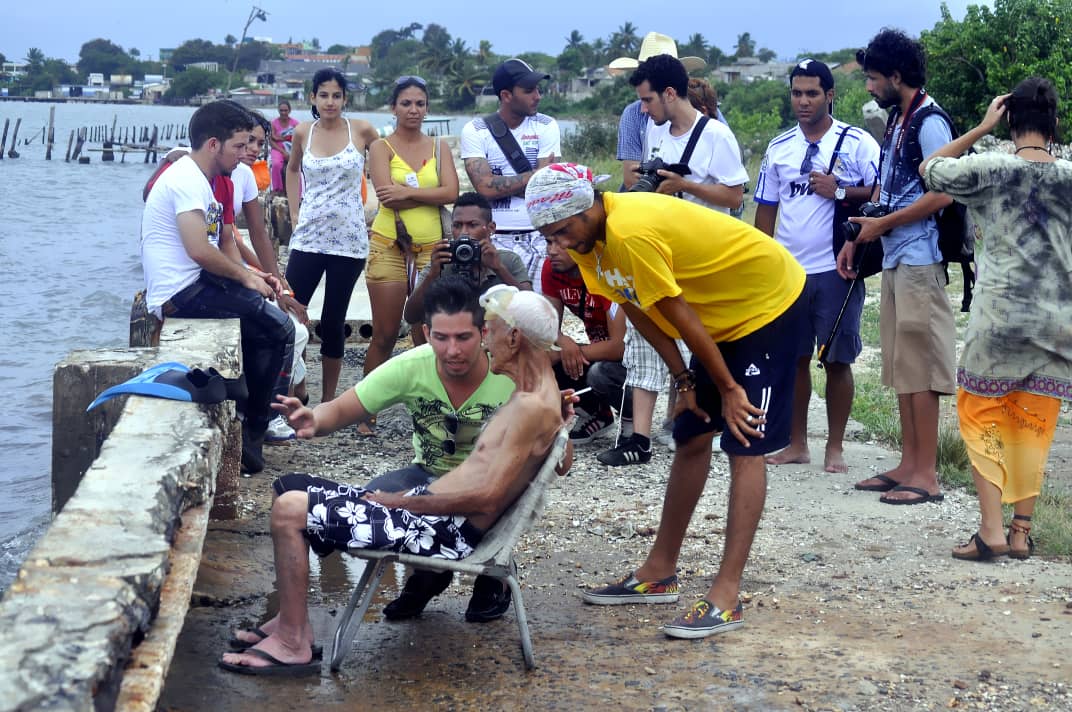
{"x":654,"y":44}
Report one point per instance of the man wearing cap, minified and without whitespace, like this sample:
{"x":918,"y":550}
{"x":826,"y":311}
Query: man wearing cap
{"x":493,"y":174}
{"x":445,"y":519}
{"x":804,"y":172}
{"x":733,"y":295}
{"x":633,"y":123}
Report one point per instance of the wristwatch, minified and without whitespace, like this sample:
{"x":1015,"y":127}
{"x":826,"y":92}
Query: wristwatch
{"x":839,"y":193}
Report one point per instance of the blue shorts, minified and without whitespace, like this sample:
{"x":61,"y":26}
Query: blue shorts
{"x":824,"y":294}
{"x":764,"y":364}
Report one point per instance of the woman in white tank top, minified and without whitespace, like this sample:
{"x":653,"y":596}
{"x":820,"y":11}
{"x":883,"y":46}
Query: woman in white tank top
{"x":330,"y":238}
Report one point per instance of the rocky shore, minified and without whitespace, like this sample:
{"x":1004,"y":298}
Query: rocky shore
{"x":849,"y":604}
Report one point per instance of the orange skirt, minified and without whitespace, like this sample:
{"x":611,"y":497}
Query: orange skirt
{"x":1008,"y":439}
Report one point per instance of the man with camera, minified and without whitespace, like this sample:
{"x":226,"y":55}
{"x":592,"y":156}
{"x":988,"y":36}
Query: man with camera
{"x":804,"y":172}
{"x":916,"y":321}
{"x":689,"y":156}
{"x":502,"y":150}
{"x":470,"y":253}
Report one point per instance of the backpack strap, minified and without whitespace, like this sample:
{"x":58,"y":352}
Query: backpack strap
{"x":501,"y":133}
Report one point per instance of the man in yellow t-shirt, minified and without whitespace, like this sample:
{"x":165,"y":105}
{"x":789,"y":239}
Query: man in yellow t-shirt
{"x":681,"y":270}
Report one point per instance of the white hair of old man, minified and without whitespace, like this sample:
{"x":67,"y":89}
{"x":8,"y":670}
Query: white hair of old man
{"x":528,"y":312}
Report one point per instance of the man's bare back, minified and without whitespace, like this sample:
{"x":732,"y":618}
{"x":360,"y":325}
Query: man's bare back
{"x":504,"y":460}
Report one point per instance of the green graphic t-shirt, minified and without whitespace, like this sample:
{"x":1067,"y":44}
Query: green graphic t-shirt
{"x":411,"y":378}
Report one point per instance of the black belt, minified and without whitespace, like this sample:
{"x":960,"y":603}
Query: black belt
{"x":514,"y":232}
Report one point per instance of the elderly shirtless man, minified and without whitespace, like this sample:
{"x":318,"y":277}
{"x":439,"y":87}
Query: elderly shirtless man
{"x":445,"y":519}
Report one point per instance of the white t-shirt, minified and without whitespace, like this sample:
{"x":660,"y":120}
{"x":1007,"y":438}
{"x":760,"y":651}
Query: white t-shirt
{"x":715,"y":160}
{"x":167,"y":267}
{"x":538,"y":136}
{"x":245,"y":187}
{"x":804,"y":219}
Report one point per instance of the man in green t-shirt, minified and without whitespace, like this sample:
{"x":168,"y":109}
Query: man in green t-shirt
{"x":450,"y":392}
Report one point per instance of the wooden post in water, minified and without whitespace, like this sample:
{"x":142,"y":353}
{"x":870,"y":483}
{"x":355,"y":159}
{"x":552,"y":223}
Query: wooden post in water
{"x":115,"y":120}
{"x":152,"y":144}
{"x":70,"y":142}
{"x":82,"y":134}
{"x":51,"y":132}
{"x":3,"y":141}
{"x":107,"y":154}
{"x":15,"y":140}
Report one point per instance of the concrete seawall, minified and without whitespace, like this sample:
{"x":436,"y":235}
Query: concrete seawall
{"x":91,"y":621}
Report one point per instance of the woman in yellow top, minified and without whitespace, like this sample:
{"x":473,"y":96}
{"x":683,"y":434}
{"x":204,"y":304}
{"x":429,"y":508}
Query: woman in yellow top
{"x":414,"y":175}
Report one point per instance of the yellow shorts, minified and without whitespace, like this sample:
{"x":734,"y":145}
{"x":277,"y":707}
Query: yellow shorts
{"x":1008,"y":439}
{"x":385,"y":261}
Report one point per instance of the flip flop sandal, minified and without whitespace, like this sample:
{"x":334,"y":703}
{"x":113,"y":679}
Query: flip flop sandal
{"x":924,"y":496}
{"x":983,"y":551}
{"x":1018,"y":528}
{"x":888,"y":483}
{"x":239,"y":646}
{"x":278,"y":668}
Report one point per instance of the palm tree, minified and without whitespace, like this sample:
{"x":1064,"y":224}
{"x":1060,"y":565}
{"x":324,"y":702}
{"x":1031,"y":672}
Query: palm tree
{"x":599,"y":51}
{"x":695,"y":47}
{"x":435,"y":55}
{"x":625,"y":40}
{"x":35,"y":58}
{"x":575,"y":40}
{"x":483,"y":53}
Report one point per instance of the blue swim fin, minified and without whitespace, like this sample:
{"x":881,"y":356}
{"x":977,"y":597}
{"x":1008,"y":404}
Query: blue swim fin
{"x":171,"y":380}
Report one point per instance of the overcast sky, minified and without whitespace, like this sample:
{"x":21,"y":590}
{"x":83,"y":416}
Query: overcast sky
{"x":785,"y":26}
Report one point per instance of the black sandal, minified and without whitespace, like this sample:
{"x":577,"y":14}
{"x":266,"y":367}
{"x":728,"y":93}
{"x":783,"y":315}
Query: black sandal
{"x":1015,"y":527}
{"x":983,"y":551}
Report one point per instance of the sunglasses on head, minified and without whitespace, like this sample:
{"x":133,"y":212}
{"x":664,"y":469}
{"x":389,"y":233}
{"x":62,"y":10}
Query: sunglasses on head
{"x":419,"y":81}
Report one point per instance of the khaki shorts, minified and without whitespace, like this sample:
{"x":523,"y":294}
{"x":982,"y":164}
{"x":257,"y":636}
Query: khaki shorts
{"x":385,"y":262}
{"x":917,"y":330}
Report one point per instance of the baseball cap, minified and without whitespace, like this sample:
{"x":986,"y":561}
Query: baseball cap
{"x":515,"y":72}
{"x":813,"y":68}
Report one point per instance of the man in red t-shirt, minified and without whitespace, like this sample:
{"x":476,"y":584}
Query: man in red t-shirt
{"x":597,"y":363}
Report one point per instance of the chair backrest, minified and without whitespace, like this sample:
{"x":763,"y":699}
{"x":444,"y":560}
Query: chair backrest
{"x":498,"y":543}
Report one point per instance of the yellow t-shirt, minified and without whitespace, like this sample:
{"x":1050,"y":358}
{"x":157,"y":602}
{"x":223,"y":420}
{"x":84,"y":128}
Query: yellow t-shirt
{"x":422,"y":222}
{"x":735,"y":277}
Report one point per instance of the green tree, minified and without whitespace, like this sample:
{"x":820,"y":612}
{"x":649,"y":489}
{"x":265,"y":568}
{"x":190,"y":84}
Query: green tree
{"x":339,"y":49}
{"x":746,"y":46}
{"x":766,"y":55}
{"x":230,"y":40}
{"x":198,"y":50}
{"x":250,"y":55}
{"x":193,"y":82}
{"x":715,"y":57}
{"x":315,"y":43}
{"x":106,"y":57}
{"x":695,"y":47}
{"x":990,"y":50}
{"x":575,"y":40}
{"x":624,"y":42}
{"x":484,"y":55}
{"x":435,"y":53}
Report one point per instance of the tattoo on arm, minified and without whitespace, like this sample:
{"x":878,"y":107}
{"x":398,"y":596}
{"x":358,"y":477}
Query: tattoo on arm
{"x":494,"y":186}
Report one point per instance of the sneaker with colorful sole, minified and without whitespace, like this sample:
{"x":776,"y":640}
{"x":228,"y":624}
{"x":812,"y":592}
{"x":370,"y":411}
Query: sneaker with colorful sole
{"x":704,"y":619}
{"x":631,"y":590}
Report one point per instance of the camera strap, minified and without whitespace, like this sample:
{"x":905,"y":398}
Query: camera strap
{"x":510,"y":148}
{"x":694,"y":138}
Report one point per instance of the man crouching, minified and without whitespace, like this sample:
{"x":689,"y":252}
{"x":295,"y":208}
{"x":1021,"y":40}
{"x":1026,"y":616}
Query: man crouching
{"x":445,"y":519}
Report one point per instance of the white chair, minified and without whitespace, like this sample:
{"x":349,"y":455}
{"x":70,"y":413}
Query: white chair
{"x":493,"y":557}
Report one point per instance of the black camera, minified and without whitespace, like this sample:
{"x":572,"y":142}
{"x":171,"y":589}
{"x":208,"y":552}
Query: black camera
{"x":465,"y":252}
{"x":649,"y":180}
{"x":850,"y":230}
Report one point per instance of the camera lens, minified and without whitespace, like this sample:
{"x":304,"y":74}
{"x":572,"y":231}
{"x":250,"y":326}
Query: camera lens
{"x":463,"y":253}
{"x":850,"y":231}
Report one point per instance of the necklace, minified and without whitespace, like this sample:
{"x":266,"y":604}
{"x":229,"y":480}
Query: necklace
{"x":1037,"y":148}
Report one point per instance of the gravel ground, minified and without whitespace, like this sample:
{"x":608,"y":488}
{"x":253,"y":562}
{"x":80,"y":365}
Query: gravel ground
{"x":849,"y":604}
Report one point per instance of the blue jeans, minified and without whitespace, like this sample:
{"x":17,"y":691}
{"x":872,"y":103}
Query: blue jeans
{"x":267,"y":339}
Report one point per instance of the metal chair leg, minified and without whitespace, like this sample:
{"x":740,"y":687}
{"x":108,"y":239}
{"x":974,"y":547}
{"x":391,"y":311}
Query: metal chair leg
{"x":359,"y":603}
{"x":522,"y":621}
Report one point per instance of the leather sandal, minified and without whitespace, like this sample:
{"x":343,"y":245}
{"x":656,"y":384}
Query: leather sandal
{"x":1016,"y":528}
{"x":981,"y":551}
